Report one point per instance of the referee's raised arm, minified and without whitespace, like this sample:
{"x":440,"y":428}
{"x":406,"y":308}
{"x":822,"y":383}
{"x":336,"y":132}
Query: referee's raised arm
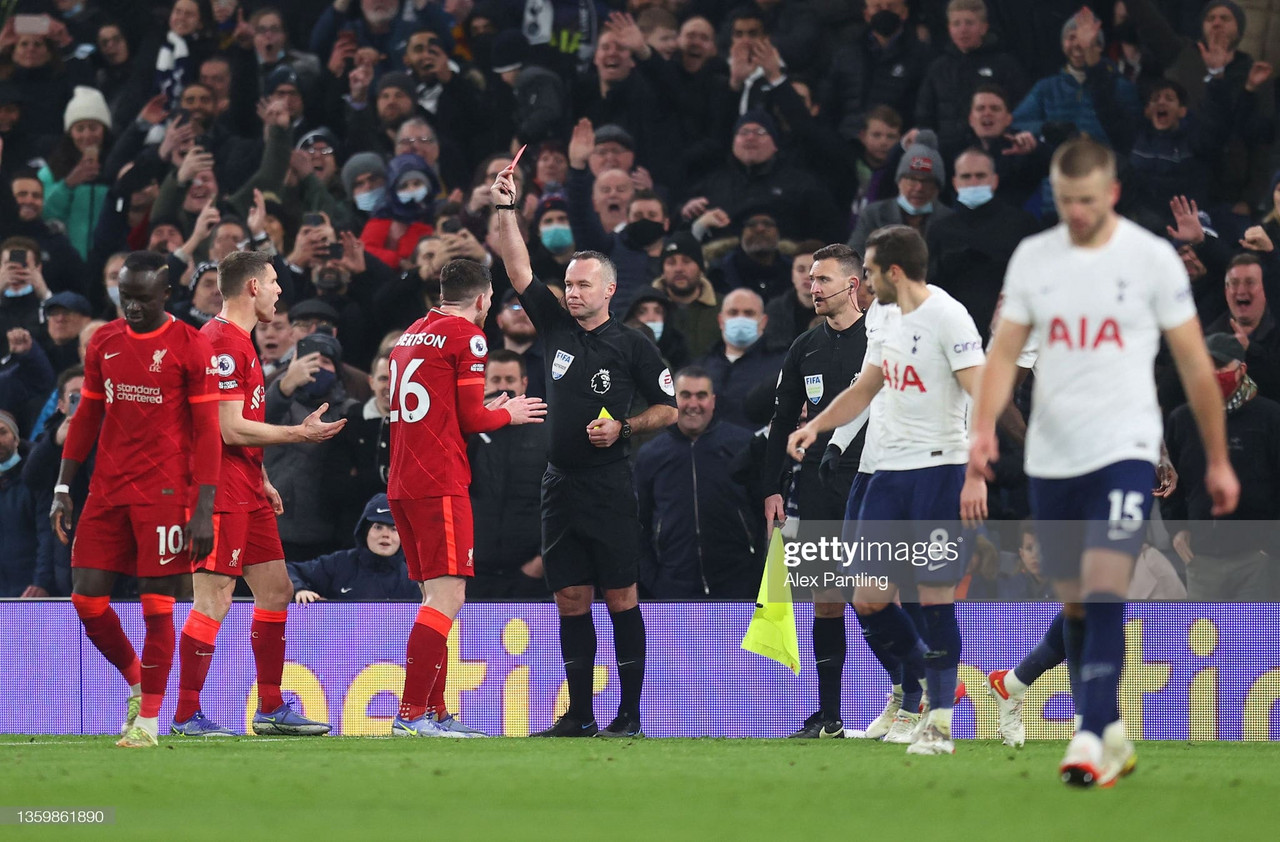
{"x":515,"y":256}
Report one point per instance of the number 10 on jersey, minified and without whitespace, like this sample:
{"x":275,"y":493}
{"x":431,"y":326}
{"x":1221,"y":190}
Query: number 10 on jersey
{"x":409,"y":399}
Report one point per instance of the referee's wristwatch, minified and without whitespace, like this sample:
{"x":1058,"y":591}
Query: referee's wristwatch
{"x":626,"y":429}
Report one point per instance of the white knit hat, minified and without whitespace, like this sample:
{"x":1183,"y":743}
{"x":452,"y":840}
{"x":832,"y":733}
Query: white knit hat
{"x":86,"y":104}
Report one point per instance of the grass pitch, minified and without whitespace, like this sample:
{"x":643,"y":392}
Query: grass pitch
{"x":500,"y":789}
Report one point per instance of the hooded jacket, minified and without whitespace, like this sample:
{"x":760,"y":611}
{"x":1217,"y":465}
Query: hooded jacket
{"x":358,"y":575}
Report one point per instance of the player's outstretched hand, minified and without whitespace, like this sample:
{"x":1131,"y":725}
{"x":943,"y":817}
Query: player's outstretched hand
{"x":800,"y":441}
{"x":984,"y":451}
{"x":973,"y":500}
{"x":526,"y":410}
{"x":1223,"y":487}
{"x":314,"y":428}
{"x":60,"y":516}
{"x":197,"y":535}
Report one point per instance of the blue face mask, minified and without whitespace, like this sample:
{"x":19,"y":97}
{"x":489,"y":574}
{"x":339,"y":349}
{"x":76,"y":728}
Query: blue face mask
{"x":18,"y":293}
{"x":410,"y":197}
{"x":914,"y":211}
{"x":741,"y":331}
{"x":368,"y":201}
{"x":114,"y":294}
{"x":10,"y":462}
{"x":320,"y":387}
{"x":656,"y":327}
{"x":975,"y":197}
{"x":557,"y":238}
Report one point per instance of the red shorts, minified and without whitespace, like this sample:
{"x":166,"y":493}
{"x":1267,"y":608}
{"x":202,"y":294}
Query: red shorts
{"x":142,"y":541}
{"x":437,"y":536}
{"x":243,"y":539}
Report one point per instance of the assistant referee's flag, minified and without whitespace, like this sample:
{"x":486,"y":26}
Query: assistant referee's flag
{"x":772,"y":632}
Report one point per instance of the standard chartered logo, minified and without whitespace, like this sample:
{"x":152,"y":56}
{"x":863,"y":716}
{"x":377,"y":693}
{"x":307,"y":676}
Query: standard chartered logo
{"x":129,"y":392}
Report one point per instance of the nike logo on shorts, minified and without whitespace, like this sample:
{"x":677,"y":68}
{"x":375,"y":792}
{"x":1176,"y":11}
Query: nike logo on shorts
{"x":165,"y":561}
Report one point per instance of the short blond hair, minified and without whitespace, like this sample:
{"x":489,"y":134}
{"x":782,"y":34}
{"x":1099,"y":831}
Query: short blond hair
{"x":1083,"y":156}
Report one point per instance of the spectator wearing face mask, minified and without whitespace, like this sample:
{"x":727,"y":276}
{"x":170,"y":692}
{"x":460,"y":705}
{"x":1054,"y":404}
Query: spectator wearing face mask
{"x":364,"y":178}
{"x":402,"y":217}
{"x":742,"y":359}
{"x":969,"y":249}
{"x":636,"y":249}
{"x":552,"y":242}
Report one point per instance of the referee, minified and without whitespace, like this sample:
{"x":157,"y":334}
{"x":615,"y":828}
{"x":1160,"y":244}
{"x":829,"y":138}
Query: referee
{"x":594,"y":367}
{"x":822,"y":362}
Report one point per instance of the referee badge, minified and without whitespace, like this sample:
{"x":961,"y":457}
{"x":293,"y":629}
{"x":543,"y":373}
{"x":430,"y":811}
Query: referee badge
{"x":601,"y":381}
{"x":813,"y":387}
{"x":560,"y":364}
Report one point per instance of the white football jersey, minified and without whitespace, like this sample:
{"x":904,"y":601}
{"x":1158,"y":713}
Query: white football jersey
{"x":926,"y":412}
{"x":1096,"y":317}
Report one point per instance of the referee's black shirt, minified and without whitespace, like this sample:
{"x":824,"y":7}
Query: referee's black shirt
{"x":820,"y":364}
{"x":590,"y":370}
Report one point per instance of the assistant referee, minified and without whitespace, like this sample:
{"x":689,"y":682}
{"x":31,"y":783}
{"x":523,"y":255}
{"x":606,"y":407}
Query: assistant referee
{"x":594,"y":367}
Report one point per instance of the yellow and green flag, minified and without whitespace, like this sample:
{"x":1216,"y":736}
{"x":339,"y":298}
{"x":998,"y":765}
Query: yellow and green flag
{"x":772,"y":632}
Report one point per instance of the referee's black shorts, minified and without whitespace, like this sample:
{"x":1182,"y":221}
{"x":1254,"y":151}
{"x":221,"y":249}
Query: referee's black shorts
{"x":590,"y":530}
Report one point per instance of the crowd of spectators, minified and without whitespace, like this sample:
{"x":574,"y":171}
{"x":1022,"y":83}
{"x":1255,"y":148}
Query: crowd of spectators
{"x":709,"y":147}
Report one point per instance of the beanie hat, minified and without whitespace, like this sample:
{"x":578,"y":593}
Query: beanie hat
{"x":684,"y":243}
{"x":510,"y":51}
{"x":549,"y":202}
{"x":1233,"y":8}
{"x":762,"y":120}
{"x":86,"y":104}
{"x":9,"y":421}
{"x":360,"y":164}
{"x":398,"y":79}
{"x":921,"y":161}
{"x":282,"y":75}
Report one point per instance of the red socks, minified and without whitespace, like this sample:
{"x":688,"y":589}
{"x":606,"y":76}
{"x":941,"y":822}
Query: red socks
{"x":102,"y":627}
{"x":195,"y":654}
{"x":424,"y":662}
{"x":157,"y":651}
{"x":267,"y":632}
{"x":435,"y":701}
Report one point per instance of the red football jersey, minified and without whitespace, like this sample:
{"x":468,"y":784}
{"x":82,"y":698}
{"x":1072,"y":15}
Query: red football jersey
{"x":148,"y":381}
{"x":239,"y":379}
{"x":436,"y":356}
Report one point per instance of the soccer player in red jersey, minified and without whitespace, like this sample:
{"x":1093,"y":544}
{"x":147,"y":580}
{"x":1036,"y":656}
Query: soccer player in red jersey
{"x":149,"y":385}
{"x":437,"y":400}
{"x":247,"y":541}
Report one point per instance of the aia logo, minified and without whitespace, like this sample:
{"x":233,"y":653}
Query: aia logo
{"x":156,"y":358}
{"x":902,"y":380}
{"x":258,"y":395}
{"x":1084,"y":336}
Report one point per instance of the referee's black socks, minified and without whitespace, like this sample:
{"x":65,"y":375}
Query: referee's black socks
{"x":629,"y":644}
{"x":578,"y":647}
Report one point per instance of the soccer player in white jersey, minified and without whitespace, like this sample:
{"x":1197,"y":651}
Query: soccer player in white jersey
{"x":899,"y":719}
{"x":1096,"y":292}
{"x":925,"y":358}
